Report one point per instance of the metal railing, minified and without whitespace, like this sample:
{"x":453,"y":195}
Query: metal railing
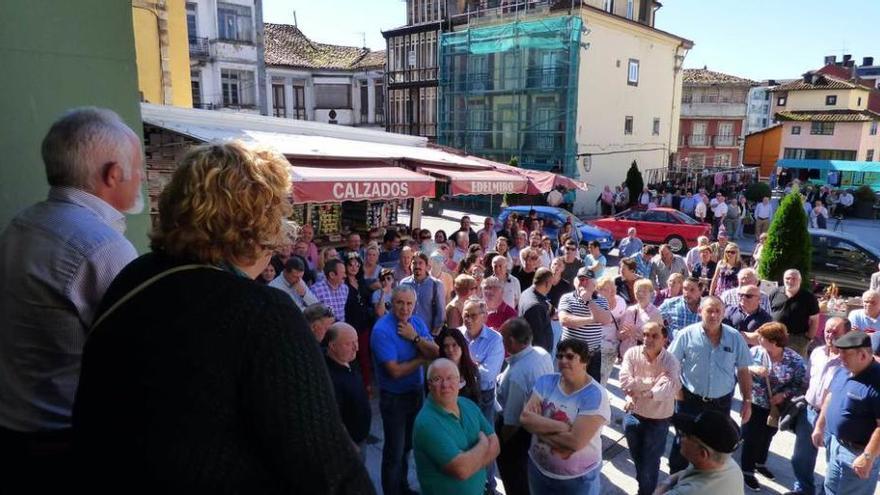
{"x":199,"y":47}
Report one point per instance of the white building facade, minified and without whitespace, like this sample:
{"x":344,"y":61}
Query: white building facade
{"x":226,"y":55}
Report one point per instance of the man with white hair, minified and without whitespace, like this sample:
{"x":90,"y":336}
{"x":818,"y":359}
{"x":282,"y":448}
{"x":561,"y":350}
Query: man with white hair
{"x":510,"y":286}
{"x":867,"y":319}
{"x":798,"y":309}
{"x":746,"y":276}
{"x":57,"y":258}
{"x":452,"y":441}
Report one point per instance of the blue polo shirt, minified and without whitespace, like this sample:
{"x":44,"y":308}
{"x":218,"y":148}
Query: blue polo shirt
{"x":707,"y":370}
{"x":438,"y":437}
{"x":854,"y":407}
{"x":386,"y":346}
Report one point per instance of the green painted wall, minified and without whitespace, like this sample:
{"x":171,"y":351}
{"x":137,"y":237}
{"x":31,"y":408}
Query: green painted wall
{"x":59,"y":54}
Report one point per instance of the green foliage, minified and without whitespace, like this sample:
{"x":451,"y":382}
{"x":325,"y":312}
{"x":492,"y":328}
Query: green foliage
{"x":864,"y":193}
{"x":757,"y":191}
{"x":634,"y":182}
{"x":514,"y":162}
{"x":788,"y":242}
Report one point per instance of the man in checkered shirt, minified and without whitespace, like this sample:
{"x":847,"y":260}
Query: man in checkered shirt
{"x":683,"y":310}
{"x":332,"y":291}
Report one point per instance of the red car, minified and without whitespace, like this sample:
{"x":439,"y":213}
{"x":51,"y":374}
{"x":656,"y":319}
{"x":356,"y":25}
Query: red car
{"x":657,"y":226}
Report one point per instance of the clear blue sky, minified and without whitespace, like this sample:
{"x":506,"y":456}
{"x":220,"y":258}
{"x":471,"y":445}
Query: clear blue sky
{"x":758,"y":39}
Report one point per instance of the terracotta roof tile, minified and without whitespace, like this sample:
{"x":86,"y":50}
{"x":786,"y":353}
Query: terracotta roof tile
{"x":697,"y":77}
{"x":823,"y":82}
{"x":287,"y":46}
{"x":829,"y":116}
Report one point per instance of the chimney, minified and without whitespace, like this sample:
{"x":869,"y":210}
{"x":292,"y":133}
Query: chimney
{"x":868,"y":61}
{"x":771,"y":82}
{"x":831,"y":60}
{"x":849,"y":63}
{"x":808,"y":78}
{"x":846,"y":58}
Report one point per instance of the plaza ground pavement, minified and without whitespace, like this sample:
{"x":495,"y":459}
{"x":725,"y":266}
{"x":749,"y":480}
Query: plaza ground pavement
{"x":618,"y":470}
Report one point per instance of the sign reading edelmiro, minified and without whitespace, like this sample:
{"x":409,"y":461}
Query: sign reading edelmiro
{"x":492,"y":187}
{"x":345,"y":191}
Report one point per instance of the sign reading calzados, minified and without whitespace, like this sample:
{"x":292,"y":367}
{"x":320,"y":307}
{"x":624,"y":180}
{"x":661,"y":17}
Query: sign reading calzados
{"x":346,"y":191}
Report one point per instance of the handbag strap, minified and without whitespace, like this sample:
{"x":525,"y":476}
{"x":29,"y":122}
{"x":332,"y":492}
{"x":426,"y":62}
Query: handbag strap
{"x":143,"y":285}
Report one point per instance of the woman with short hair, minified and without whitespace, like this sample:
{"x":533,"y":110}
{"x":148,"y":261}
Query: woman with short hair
{"x":565,"y":415}
{"x":197,"y":379}
{"x":778,"y":374}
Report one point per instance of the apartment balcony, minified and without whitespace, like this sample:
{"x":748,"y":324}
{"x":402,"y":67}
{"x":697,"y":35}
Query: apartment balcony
{"x":199,"y":48}
{"x":714,"y":107}
{"x":709,"y":140}
{"x":410,"y":76}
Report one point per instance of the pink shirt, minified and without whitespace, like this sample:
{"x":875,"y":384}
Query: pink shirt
{"x":661,"y":376}
{"x":822,"y":370}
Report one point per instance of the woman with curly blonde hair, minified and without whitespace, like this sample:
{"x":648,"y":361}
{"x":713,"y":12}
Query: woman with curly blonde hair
{"x":196,"y":378}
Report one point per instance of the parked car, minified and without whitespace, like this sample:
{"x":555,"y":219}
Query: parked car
{"x":554,"y":218}
{"x":842,"y":259}
{"x":657,"y":226}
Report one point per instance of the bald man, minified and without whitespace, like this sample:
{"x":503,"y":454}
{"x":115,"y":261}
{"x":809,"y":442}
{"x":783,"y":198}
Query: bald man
{"x":351,"y":395}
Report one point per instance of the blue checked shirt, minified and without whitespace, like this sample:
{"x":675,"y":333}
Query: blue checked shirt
{"x":677,"y":315}
{"x":643,"y":268}
{"x":333,"y":299}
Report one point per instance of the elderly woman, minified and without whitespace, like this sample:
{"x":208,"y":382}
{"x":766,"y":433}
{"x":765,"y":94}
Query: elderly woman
{"x":196,"y":378}
{"x":371,"y":266}
{"x":565,"y":415}
{"x":403,"y":268}
{"x":778,"y":374}
{"x":610,"y":331}
{"x":465,"y":287}
{"x":638,"y":315}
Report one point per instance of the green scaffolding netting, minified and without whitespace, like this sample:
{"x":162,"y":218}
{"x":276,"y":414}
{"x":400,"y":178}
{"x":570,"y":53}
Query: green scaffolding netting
{"x":511,"y":90}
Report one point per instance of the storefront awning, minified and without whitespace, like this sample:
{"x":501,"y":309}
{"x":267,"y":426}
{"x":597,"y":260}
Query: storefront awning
{"x":839,"y":165}
{"x":466,"y":182}
{"x":335,"y":185}
{"x":539,"y":182}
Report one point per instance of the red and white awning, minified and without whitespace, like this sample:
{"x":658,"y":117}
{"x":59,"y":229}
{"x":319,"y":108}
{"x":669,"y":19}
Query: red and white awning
{"x":334,"y":185}
{"x":486,"y":181}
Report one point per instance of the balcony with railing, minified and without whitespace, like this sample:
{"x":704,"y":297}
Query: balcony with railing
{"x":402,"y":76}
{"x":709,"y":140}
{"x":199,"y":48}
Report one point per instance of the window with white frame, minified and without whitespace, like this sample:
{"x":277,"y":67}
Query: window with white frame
{"x":332,"y":96}
{"x":795,"y":130}
{"x":697,"y":159}
{"x":873,"y":128}
{"x":191,"y":25}
{"x":780,"y":102}
{"x":831,"y":100}
{"x":609,"y":6}
{"x":279,"y":103}
{"x":725,"y":134}
{"x":238,"y":87}
{"x":632,"y":74}
{"x":869,"y":157}
{"x":195,"y":78}
{"x":234,"y":22}
{"x":722,"y":159}
{"x":822,"y":128}
{"x":630,"y":9}
{"x":628,"y":125}
{"x":655,"y":130}
{"x":698,"y":134}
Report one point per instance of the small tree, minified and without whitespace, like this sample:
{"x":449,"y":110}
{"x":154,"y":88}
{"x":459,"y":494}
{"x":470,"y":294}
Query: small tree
{"x":634,"y":182}
{"x":788,"y":242}
{"x":505,"y":201}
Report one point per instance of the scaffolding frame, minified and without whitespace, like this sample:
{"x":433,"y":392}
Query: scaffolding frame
{"x":511,"y":90}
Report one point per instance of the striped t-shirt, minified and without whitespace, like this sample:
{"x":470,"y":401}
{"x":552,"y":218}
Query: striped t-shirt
{"x":591,"y":333}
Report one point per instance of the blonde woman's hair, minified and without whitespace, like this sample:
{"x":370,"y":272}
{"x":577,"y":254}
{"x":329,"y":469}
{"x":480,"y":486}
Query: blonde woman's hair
{"x":604,"y":281}
{"x":225,"y":202}
{"x":641,"y":283}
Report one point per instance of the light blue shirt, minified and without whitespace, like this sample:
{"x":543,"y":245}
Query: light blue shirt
{"x":589,"y":261}
{"x":430,"y":301}
{"x":629,"y":247}
{"x":57,"y":258}
{"x":688,"y":205}
{"x":515,"y":384}
{"x":488,"y":351}
{"x":708,"y":370}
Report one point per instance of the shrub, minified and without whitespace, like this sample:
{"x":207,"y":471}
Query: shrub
{"x":757,"y":191}
{"x":788,"y":242}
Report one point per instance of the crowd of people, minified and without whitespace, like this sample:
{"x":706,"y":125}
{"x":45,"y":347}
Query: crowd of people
{"x":239,"y":356}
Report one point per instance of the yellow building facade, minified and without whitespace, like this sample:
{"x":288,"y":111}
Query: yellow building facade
{"x":162,"y":48}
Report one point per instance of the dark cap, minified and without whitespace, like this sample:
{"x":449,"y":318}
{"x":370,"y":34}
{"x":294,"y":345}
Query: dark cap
{"x":585,"y":272}
{"x":853,"y":340}
{"x":715,"y":429}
